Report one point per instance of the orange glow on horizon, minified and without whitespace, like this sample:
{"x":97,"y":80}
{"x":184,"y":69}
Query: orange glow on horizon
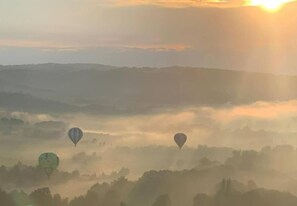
{"x":269,"y":5}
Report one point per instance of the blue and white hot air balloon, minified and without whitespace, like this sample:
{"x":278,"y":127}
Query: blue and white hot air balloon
{"x":75,"y":134}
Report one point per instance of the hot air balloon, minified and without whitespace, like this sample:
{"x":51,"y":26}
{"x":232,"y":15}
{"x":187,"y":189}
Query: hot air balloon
{"x":75,"y":134}
{"x":49,"y":162}
{"x":180,"y":139}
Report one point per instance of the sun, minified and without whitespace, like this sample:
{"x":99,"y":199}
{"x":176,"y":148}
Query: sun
{"x":270,"y":5}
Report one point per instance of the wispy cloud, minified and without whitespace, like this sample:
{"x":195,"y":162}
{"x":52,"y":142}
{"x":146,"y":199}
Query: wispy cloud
{"x":187,"y":3}
{"x":148,"y":33}
{"x":253,"y":125}
{"x":259,"y":110}
{"x":179,"y":3}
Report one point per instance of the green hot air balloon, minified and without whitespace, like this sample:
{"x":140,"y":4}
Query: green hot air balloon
{"x":49,"y":162}
{"x":75,"y":134}
{"x":180,"y":139}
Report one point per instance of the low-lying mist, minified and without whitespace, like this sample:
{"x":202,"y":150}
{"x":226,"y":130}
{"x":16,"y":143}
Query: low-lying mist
{"x":246,"y":142}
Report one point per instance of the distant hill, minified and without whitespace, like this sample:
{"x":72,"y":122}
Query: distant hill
{"x":97,"y":87}
{"x":27,"y":103}
{"x":54,"y":66}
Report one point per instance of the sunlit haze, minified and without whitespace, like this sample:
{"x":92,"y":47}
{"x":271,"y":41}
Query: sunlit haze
{"x":270,"y":5}
{"x":148,"y":103}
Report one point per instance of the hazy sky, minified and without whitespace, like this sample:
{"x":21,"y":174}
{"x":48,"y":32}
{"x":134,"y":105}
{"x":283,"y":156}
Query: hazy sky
{"x":232,"y":34}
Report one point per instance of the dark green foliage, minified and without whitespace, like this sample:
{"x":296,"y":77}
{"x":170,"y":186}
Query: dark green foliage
{"x":5,"y":199}
{"x":229,"y":195}
{"x":42,"y":197}
{"x":22,"y":175}
{"x":123,"y":193}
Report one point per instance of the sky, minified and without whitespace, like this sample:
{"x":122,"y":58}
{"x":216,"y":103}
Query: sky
{"x":256,"y":35}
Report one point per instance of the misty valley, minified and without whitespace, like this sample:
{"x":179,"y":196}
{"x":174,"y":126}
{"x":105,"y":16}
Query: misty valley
{"x":148,"y":103}
{"x":96,"y":135}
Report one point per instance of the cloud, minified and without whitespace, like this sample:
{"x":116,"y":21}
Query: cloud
{"x":259,"y":110}
{"x":83,"y":159}
{"x":247,"y":126}
{"x":242,"y":38}
{"x":251,"y":125}
{"x":180,"y":3}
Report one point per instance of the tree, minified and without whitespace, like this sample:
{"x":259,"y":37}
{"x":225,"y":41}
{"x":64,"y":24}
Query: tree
{"x":42,"y":197}
{"x":162,"y":200}
{"x":202,"y":200}
{"x":5,"y":199}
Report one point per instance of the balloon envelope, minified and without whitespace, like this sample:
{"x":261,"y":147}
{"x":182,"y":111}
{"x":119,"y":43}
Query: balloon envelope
{"x":49,"y":162}
{"x":75,"y":134}
{"x":180,"y":139}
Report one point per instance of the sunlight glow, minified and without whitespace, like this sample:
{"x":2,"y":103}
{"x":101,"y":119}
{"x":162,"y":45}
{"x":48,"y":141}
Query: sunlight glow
{"x":270,"y":5}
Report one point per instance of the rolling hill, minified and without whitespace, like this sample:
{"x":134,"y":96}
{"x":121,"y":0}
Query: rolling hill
{"x":111,"y":89}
